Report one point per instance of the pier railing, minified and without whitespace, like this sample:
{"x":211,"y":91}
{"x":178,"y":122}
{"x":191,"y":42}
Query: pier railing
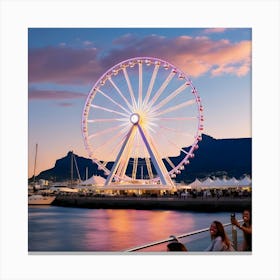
{"x":233,"y":238}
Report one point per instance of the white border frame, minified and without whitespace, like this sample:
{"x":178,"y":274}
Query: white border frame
{"x":17,"y":16}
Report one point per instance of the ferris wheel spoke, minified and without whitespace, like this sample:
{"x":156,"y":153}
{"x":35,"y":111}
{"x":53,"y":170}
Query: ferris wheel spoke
{"x":170,"y":97}
{"x":123,"y":134}
{"x":152,"y":127}
{"x":161,"y":89}
{"x":174,"y":145}
{"x":175,"y":108}
{"x":151,"y":84}
{"x":102,"y":166}
{"x":121,"y":94}
{"x":107,"y":120}
{"x":113,"y":101}
{"x":140,"y":86}
{"x":105,"y":131}
{"x":177,"y":119}
{"x":173,"y":130}
{"x":129,"y":87}
{"x":108,"y":110}
{"x":117,"y":146}
{"x":111,"y":140}
{"x":169,"y":161}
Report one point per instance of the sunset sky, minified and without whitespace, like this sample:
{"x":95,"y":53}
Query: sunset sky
{"x":64,"y":64}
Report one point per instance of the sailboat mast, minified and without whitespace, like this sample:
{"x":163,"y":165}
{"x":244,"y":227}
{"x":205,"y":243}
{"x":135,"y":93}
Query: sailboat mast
{"x":77,"y":169}
{"x":35,"y":164}
{"x":72,"y":168}
{"x":74,"y":161}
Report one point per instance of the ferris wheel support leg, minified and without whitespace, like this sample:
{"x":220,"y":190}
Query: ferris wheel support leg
{"x":129,"y":136}
{"x":156,"y":160}
{"x":125,"y":157}
{"x":134,"y":170}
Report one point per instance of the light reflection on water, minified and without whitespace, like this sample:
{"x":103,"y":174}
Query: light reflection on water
{"x":52,"y":228}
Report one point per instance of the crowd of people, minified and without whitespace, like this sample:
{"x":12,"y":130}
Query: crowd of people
{"x":219,"y":240}
{"x":214,"y":193}
{"x":178,"y":194}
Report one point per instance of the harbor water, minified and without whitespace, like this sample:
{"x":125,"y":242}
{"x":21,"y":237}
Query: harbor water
{"x":67,"y":229}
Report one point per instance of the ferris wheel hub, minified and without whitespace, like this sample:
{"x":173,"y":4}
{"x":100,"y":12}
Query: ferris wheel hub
{"x":134,"y":118}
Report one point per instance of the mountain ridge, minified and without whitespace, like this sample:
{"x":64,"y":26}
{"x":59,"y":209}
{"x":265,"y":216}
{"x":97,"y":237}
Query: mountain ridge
{"x":230,"y":157}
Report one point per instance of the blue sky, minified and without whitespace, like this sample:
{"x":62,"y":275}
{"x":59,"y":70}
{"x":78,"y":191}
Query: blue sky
{"x":64,"y":64}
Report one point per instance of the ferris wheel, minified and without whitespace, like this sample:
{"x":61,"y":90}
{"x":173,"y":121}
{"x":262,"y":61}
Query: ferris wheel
{"x":142,"y":121}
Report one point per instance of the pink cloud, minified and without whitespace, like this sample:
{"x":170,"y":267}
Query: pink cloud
{"x":214,"y":30}
{"x":195,"y":55}
{"x":62,"y":65}
{"x":53,"y":94}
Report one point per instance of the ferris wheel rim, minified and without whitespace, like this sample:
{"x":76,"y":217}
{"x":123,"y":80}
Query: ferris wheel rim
{"x":91,"y":95}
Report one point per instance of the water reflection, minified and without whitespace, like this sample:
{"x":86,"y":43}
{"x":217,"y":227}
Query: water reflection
{"x":110,"y":230}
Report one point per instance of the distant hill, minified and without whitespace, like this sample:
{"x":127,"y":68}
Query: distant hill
{"x":215,"y":157}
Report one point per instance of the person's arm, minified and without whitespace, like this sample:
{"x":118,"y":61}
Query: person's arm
{"x":247,"y":230}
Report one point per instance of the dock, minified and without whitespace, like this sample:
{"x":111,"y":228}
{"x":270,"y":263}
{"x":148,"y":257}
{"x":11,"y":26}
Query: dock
{"x":191,"y":204}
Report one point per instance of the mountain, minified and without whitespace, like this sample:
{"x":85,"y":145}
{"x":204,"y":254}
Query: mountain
{"x":215,"y":157}
{"x":62,"y":169}
{"x":219,"y":157}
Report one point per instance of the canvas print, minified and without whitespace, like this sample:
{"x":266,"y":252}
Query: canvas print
{"x":139,"y":140}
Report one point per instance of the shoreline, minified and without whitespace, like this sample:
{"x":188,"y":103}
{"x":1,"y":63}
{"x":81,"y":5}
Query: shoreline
{"x":150,"y":203}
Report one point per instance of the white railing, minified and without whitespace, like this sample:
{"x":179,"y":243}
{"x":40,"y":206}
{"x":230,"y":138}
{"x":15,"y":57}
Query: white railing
{"x":234,"y":238}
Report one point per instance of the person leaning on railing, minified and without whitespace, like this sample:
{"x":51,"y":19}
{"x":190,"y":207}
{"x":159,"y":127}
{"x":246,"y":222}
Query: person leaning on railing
{"x":246,"y":227}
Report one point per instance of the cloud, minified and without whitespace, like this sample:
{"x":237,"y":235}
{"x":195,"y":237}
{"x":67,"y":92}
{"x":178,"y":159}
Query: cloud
{"x":87,"y":43}
{"x":195,"y":55}
{"x":37,"y":94}
{"x":214,"y":30}
{"x":124,"y":39}
{"x":62,"y":65}
{"x":65,"y":104}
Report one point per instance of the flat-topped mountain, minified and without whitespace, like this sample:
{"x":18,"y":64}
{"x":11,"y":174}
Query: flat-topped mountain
{"x":215,"y":157}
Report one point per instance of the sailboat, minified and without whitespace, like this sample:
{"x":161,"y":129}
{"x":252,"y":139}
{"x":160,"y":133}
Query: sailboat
{"x":38,"y":199}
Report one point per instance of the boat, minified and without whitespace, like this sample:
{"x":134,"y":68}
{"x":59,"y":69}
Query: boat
{"x":38,"y":199}
{"x":34,"y":197}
